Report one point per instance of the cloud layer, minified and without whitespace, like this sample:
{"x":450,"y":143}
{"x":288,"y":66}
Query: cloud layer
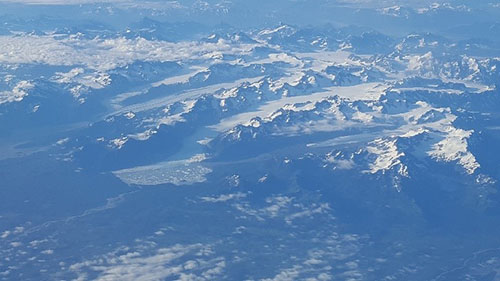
{"x":105,"y":54}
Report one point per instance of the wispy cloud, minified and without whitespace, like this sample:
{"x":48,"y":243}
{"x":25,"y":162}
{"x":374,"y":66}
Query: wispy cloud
{"x":179,"y":262}
{"x":105,"y":54}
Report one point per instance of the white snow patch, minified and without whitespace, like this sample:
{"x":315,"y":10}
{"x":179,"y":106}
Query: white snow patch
{"x":368,"y":91}
{"x":388,"y":156}
{"x":454,"y":148}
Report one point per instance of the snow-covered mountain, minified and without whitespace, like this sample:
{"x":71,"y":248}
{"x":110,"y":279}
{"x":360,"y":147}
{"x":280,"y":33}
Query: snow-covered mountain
{"x":249,"y":140}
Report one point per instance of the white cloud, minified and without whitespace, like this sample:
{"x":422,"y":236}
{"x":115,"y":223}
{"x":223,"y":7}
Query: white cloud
{"x":284,"y":207}
{"x":224,"y":197}
{"x":18,"y":93}
{"x":16,"y":244}
{"x":48,"y":252}
{"x":5,"y":234}
{"x":165,"y":263}
{"x":316,"y":264}
{"x":309,"y":212}
{"x":104,"y":54}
